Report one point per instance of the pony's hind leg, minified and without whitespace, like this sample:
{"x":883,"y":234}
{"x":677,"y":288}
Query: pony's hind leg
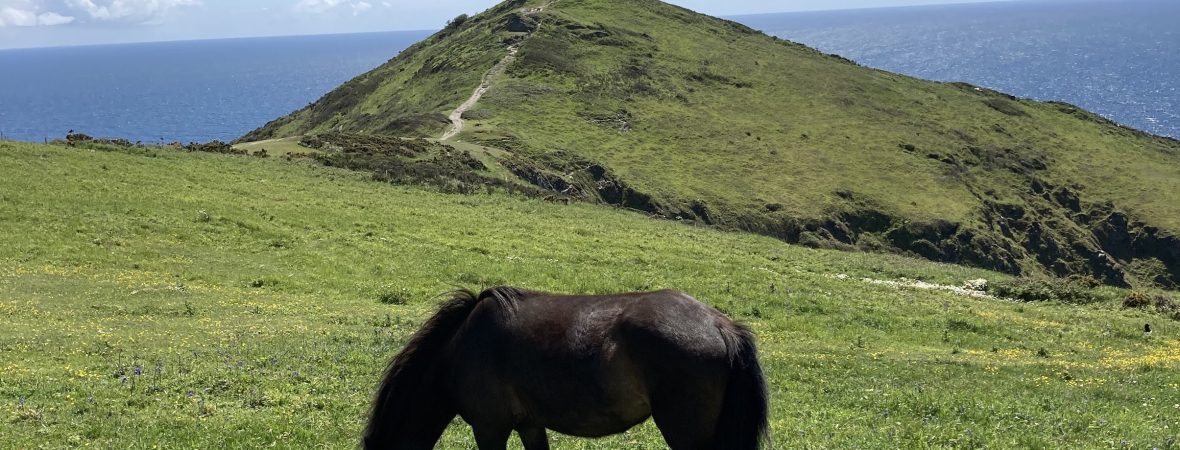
{"x":687,"y":417}
{"x":491,"y":438}
{"x":534,"y":438}
{"x":685,"y":433}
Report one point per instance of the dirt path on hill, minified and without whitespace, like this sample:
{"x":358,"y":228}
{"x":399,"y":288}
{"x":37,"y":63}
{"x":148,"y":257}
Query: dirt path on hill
{"x":485,"y":83}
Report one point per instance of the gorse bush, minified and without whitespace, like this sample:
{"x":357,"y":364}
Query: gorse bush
{"x":1136,"y":300}
{"x":1159,"y":302}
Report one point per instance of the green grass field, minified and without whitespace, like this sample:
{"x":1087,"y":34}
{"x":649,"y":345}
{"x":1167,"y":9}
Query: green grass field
{"x":155,"y":298}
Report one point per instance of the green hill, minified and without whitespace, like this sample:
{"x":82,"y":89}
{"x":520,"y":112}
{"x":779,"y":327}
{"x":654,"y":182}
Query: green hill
{"x":657,"y":108}
{"x":151,"y":298}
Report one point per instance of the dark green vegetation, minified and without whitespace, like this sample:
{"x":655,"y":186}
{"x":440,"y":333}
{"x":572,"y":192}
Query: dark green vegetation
{"x":650,"y":106}
{"x":411,"y":161}
{"x":160,"y":297}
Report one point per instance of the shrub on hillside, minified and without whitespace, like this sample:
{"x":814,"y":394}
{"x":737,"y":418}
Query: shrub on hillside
{"x":1136,"y":300}
{"x":214,"y":146}
{"x":1085,"y":280}
{"x":1044,"y":290}
{"x":457,"y":22}
{"x":1161,"y":303}
{"x":1167,"y":306}
{"x":408,"y":162}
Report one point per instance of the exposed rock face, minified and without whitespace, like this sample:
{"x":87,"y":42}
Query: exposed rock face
{"x":520,"y":23}
{"x":581,"y":180}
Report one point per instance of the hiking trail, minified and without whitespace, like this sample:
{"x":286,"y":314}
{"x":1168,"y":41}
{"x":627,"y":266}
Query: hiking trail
{"x":485,"y":83}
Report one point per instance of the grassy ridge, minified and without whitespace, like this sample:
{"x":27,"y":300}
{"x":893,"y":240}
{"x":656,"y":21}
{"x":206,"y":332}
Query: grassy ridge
{"x":708,"y":120}
{"x":195,"y":300}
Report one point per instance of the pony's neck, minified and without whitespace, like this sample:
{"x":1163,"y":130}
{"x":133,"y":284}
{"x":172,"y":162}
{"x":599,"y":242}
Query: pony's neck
{"x":413,"y":407}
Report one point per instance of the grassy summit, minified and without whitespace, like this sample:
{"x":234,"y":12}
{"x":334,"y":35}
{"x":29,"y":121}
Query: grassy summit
{"x":159,"y":298}
{"x":660,"y":109}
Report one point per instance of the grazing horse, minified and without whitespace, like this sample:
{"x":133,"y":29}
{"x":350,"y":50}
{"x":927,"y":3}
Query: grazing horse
{"x":589,"y":366}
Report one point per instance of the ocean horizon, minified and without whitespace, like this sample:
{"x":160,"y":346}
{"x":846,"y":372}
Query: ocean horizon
{"x":179,"y":90}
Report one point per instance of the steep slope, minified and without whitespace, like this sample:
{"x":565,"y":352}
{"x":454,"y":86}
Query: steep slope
{"x":657,"y":108}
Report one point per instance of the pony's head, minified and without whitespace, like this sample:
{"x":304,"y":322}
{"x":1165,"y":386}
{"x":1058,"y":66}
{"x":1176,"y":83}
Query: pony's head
{"x":411,"y":408}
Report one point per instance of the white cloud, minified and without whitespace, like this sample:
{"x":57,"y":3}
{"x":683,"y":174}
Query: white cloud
{"x":317,"y":6}
{"x":128,"y":10}
{"x":321,"y":6}
{"x":11,"y":16}
{"x":24,"y":13}
{"x":52,"y":18}
{"x":360,"y":7}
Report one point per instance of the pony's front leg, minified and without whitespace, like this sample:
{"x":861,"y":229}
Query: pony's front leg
{"x":491,"y":438}
{"x":534,"y":438}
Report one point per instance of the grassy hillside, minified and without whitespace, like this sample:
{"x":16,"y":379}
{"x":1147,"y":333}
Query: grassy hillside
{"x":151,"y":297}
{"x":410,"y":95}
{"x":706,"y":120}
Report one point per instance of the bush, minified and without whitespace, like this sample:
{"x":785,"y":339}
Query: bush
{"x":214,"y":146}
{"x":812,"y":240}
{"x":1044,"y":290}
{"x":1167,"y":306}
{"x":457,"y":22}
{"x":1161,"y":303}
{"x":1136,"y":300}
{"x":1086,"y":281}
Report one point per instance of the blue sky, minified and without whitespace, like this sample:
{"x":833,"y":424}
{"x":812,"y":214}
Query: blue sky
{"x":39,"y":23}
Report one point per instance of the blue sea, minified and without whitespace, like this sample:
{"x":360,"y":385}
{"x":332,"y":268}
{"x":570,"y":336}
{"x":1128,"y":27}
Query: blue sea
{"x":179,"y":91}
{"x":1119,"y":58}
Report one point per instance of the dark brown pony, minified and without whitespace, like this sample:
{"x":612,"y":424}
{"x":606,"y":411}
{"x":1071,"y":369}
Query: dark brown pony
{"x":590,"y":366}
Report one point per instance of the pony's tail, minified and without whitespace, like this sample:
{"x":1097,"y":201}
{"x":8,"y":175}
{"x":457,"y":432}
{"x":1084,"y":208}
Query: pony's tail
{"x":406,"y":382}
{"x":744,"y":422}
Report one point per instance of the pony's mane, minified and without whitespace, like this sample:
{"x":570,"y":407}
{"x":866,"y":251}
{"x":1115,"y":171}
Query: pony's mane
{"x":505,"y":296}
{"x":405,"y":378}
